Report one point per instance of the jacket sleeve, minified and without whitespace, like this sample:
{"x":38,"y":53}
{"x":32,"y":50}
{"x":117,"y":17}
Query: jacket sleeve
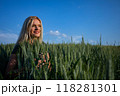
{"x":12,"y":63}
{"x":11,"y":67}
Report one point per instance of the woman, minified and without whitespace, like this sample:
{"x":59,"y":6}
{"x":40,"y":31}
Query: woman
{"x":32,"y":30}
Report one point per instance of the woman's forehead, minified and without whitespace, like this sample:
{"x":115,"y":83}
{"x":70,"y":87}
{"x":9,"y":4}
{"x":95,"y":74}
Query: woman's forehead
{"x":36,"y":21}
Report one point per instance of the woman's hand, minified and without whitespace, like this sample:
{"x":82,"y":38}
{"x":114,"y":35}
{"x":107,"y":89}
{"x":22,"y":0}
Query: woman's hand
{"x":44,"y":61}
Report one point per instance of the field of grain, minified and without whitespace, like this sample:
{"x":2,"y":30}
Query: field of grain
{"x":69,"y":61}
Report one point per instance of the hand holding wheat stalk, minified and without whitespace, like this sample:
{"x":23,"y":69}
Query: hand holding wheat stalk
{"x":43,"y":60}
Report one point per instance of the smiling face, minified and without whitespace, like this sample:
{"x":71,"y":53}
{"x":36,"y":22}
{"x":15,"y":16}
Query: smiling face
{"x":36,"y":29}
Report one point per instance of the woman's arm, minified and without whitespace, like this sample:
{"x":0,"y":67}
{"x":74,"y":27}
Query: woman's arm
{"x":11,"y":64}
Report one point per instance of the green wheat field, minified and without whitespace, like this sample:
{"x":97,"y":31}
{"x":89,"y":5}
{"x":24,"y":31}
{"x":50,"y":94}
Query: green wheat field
{"x":69,"y":61}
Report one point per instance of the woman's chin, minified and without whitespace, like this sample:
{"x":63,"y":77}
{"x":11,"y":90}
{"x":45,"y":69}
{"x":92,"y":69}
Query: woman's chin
{"x":36,"y":35}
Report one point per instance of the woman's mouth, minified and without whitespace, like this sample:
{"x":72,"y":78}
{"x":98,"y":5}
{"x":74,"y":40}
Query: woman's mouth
{"x":36,"y":32}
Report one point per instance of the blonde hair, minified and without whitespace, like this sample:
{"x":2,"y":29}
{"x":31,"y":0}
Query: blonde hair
{"x":25,"y":31}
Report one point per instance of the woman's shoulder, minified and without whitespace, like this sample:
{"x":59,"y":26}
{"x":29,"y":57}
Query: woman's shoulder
{"x":43,"y":42}
{"x":16,"y":49}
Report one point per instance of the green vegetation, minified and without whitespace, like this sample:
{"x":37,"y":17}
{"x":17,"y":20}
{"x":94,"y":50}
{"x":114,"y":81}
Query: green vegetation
{"x":69,"y":61}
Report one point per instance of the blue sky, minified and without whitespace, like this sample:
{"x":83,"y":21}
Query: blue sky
{"x":62,"y":19}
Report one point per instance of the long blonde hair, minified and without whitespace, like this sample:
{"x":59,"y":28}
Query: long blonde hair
{"x":25,"y":31}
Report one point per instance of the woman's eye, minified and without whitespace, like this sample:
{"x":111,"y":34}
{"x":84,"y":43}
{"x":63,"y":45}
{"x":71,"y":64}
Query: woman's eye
{"x":33,"y":25}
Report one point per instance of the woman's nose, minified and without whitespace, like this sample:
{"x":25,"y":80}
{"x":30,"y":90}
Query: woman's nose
{"x":36,"y":27}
